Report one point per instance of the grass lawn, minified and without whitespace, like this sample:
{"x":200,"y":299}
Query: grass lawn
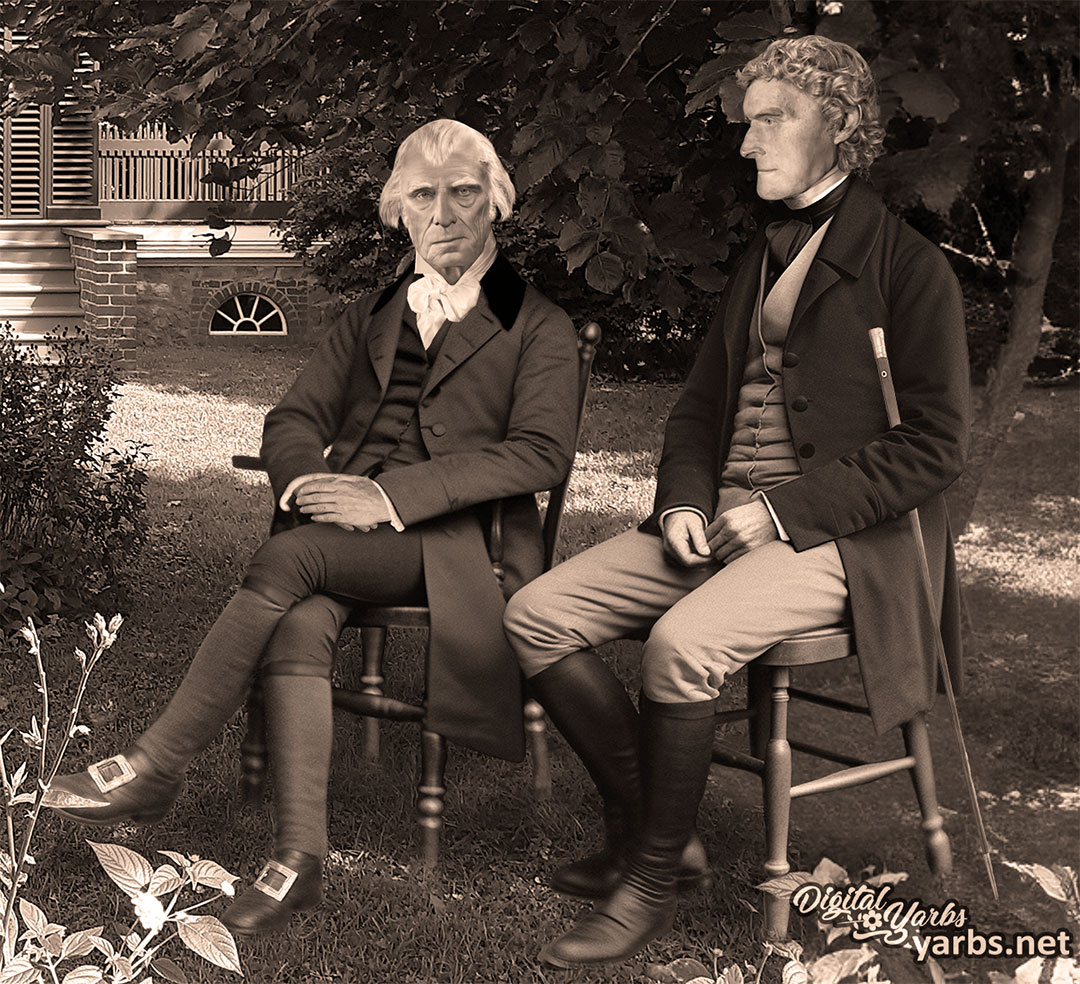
{"x":484,"y":914}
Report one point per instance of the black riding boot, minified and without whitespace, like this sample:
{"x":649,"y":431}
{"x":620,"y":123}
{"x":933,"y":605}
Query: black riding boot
{"x":676,"y":750}
{"x":592,"y":710}
{"x":299,"y":734}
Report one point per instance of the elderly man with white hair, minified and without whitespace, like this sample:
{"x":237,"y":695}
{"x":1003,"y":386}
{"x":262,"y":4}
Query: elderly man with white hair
{"x":453,"y":387}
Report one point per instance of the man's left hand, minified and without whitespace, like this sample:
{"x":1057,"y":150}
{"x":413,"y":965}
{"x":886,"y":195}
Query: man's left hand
{"x":351,"y":501}
{"x":739,"y":530}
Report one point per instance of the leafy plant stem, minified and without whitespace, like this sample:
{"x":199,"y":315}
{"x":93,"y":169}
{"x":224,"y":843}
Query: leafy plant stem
{"x":199,"y":905}
{"x":761,"y":969}
{"x":10,"y":821}
{"x":101,"y":643}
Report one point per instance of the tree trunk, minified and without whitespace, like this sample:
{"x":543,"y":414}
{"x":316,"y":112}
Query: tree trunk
{"x":1033,"y":252}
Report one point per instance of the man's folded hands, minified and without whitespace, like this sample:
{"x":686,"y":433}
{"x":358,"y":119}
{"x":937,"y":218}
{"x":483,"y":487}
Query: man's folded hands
{"x":353,"y":502}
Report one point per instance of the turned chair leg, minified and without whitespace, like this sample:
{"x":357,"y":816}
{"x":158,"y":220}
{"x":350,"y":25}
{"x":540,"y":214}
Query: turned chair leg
{"x":777,"y":795}
{"x":917,"y":744}
{"x":373,"y":644}
{"x":758,"y":691}
{"x":253,"y":749}
{"x":536,"y":732}
{"x":432,"y":790}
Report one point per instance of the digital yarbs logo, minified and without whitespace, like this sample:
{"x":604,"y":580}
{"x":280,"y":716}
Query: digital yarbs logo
{"x":872,"y":912}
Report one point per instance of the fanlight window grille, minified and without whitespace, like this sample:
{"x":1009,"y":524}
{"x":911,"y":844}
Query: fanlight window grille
{"x":248,"y":314}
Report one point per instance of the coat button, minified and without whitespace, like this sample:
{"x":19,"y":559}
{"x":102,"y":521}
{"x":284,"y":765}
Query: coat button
{"x":806,"y":451}
{"x":799,"y":404}
{"x":790,"y":360}
{"x":438,"y":429}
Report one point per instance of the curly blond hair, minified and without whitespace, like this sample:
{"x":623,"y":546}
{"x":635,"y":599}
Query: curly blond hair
{"x":837,"y":76}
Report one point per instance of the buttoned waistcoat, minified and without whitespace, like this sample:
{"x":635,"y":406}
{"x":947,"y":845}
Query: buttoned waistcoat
{"x":498,"y":417}
{"x":858,"y":476}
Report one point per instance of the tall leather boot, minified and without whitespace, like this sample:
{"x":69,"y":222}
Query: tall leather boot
{"x":592,"y":710}
{"x":299,"y":732}
{"x":676,"y":749}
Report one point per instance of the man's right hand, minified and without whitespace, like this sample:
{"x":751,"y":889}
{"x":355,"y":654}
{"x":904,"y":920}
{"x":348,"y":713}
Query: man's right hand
{"x":685,"y":541}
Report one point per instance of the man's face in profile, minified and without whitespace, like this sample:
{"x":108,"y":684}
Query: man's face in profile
{"x":446,"y":209}
{"x":788,"y":139}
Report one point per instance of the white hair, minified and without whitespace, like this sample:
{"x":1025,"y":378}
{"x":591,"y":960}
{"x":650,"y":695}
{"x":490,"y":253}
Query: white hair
{"x":437,"y":140}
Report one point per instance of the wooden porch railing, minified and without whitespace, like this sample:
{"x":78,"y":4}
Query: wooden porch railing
{"x":143,"y":175}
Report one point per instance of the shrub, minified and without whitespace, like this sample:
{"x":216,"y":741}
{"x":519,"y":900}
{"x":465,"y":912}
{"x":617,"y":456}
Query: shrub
{"x":71,"y":507}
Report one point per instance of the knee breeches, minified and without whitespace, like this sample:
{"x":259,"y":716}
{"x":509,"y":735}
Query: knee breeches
{"x":316,"y":572}
{"x":702,"y":623}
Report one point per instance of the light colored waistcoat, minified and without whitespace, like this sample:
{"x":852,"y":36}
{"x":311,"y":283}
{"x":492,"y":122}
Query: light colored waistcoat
{"x":761,"y":454}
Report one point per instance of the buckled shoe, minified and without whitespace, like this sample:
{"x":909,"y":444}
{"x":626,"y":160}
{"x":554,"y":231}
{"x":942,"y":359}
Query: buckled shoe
{"x":125,"y":787}
{"x":289,"y":882}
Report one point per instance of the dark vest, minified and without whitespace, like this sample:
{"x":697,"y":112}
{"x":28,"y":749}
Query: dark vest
{"x":394,"y":438}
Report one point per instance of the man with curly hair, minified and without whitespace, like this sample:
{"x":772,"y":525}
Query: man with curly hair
{"x":779,"y":499}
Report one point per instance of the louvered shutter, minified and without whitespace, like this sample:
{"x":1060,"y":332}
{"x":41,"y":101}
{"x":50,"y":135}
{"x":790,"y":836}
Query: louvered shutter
{"x":23,"y":161}
{"x":73,"y":152}
{"x":22,"y":182}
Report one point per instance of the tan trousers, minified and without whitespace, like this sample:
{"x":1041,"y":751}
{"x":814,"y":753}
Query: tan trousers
{"x":706,"y":621}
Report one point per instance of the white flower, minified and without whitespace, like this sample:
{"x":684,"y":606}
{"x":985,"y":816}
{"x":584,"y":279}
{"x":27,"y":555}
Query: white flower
{"x":29,"y":633}
{"x":227,"y":889}
{"x":149,"y":910}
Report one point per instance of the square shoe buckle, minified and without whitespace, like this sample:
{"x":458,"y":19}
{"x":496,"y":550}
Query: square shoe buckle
{"x":111,"y":772}
{"x":275,"y":880}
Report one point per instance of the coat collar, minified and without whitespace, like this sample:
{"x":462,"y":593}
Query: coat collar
{"x":854,"y":229}
{"x":502,"y":294}
{"x":846,"y":246}
{"x":502,"y":286}
{"x":504,"y":290}
{"x":844,"y":251}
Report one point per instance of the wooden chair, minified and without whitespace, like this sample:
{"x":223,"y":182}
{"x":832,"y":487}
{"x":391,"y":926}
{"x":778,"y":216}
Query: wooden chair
{"x":769,"y":691}
{"x":370,"y":703}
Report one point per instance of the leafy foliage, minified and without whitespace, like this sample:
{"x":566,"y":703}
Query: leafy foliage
{"x":45,"y":944}
{"x":620,"y":120}
{"x":71,"y":509}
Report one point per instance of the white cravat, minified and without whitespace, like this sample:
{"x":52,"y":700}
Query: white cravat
{"x":434,"y":301}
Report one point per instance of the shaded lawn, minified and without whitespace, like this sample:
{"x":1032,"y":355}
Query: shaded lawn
{"x":483,"y":916}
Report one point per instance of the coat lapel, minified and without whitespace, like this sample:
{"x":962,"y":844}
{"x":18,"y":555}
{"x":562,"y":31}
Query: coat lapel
{"x":462,"y":340}
{"x":382,"y":336}
{"x":819,"y":278}
{"x":846,"y":245}
{"x":501,"y":296}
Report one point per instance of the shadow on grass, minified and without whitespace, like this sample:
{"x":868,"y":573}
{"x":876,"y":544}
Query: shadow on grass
{"x":484,"y":915}
{"x":243,"y":374}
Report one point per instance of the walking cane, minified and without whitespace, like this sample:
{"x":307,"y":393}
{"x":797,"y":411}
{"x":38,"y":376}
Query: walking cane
{"x":877,"y":340}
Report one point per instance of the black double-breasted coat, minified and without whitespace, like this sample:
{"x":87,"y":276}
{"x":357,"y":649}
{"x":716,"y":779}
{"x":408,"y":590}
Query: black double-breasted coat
{"x":858,"y":476}
{"x":498,"y":417}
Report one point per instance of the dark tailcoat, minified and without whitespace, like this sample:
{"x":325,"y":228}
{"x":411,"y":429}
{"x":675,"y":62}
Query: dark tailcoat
{"x":498,"y":417}
{"x":858,"y":475}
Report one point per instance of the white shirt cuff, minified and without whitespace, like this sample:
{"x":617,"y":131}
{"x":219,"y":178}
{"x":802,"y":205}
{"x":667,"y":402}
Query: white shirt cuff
{"x":776,"y":519}
{"x":395,"y":519}
{"x":674,"y":509}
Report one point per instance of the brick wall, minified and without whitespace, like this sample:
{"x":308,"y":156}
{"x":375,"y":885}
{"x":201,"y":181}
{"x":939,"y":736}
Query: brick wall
{"x":106,"y":275}
{"x":177,"y":301}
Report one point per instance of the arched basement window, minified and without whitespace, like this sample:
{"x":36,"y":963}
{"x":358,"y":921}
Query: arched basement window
{"x":248,"y":314}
